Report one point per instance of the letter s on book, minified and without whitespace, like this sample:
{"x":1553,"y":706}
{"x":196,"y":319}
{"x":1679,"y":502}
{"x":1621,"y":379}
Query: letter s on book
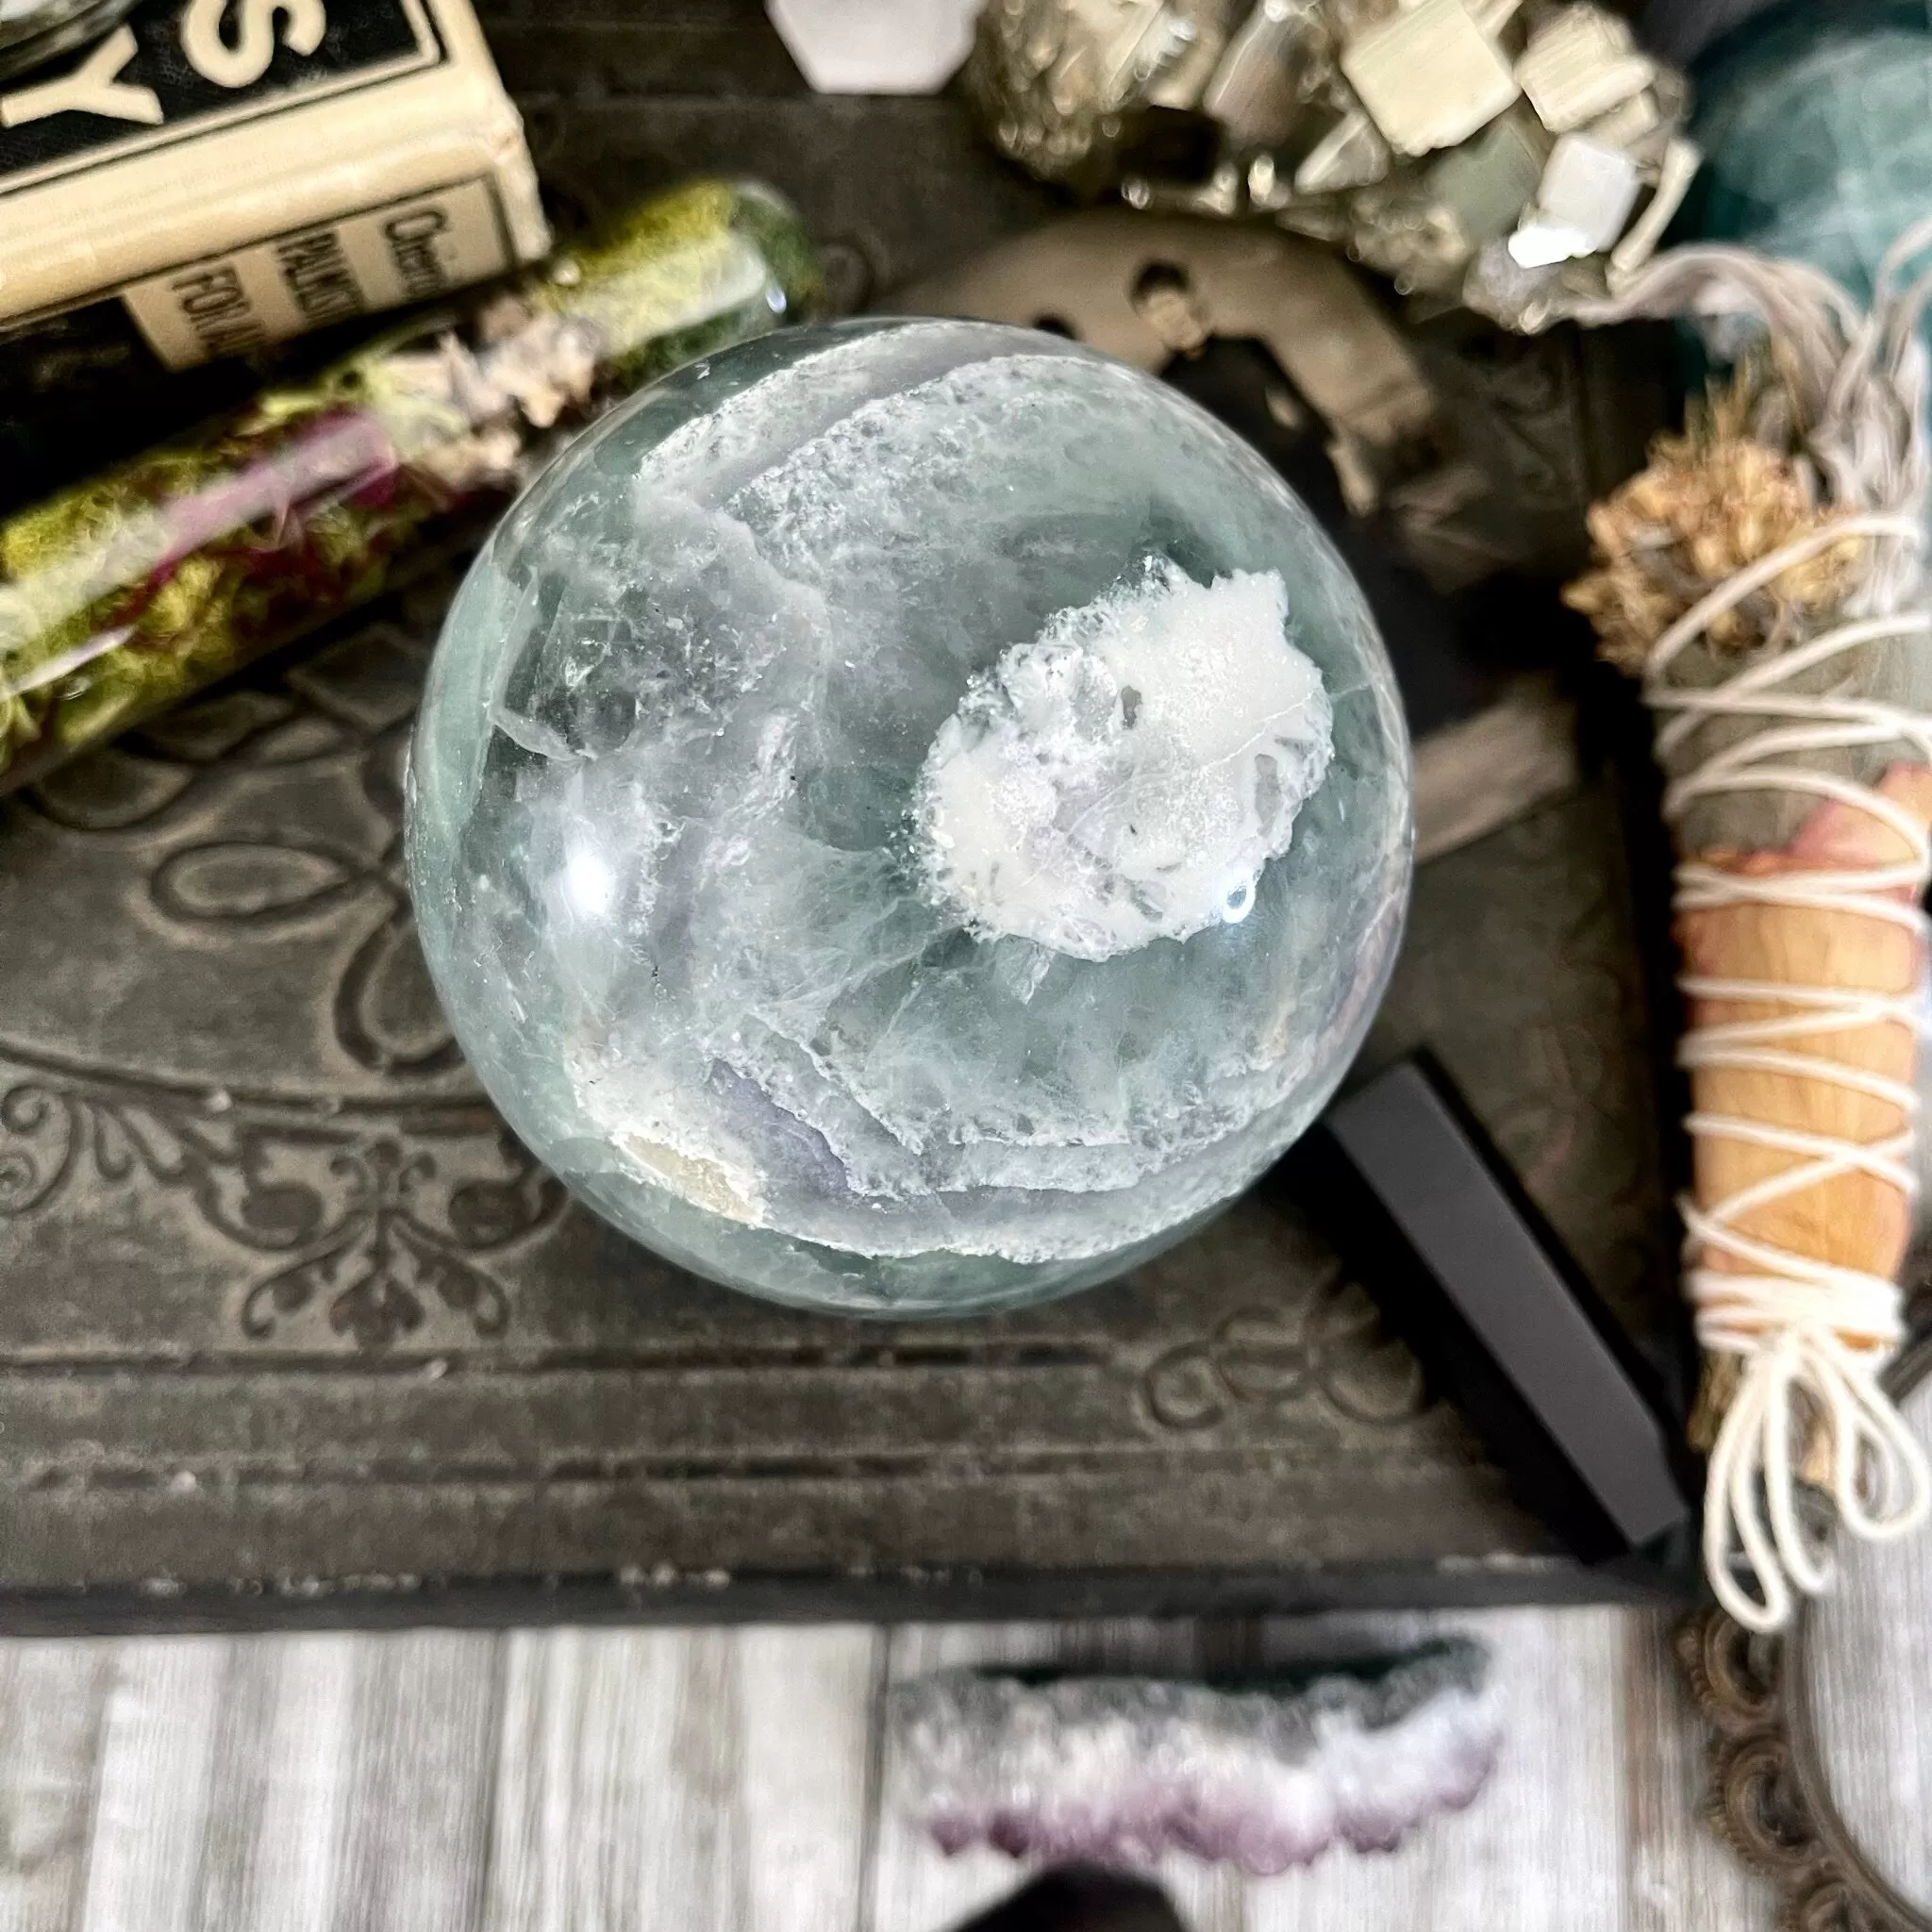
{"x":245,"y":59}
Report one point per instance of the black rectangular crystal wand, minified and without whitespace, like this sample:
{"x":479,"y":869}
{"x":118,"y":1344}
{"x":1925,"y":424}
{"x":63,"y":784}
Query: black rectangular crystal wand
{"x":1402,"y":1179}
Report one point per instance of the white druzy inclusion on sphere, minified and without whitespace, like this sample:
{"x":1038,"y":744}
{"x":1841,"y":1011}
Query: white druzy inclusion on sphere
{"x":908,"y":816}
{"x":1125,"y":777}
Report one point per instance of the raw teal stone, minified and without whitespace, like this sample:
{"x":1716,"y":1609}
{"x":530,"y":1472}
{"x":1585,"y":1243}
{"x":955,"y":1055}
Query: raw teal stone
{"x":1816,"y":124}
{"x":910,"y":816}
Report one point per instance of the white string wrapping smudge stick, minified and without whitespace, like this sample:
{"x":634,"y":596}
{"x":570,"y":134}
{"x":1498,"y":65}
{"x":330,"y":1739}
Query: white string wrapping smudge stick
{"x":1798,"y":1324}
{"x":1802,"y":727}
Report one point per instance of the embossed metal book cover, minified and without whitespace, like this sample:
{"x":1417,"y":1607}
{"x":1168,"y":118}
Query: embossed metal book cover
{"x":292,"y":1328}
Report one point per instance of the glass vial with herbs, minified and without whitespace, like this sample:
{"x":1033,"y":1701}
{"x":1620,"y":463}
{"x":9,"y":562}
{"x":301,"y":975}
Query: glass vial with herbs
{"x":125,"y":593}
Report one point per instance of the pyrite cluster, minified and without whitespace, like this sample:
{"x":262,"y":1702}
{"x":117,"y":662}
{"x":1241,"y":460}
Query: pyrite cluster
{"x":1515,"y":155}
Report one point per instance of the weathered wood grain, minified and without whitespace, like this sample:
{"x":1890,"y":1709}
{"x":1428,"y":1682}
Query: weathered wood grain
{"x":1680,"y":1875}
{"x":1876,"y":1629}
{"x":282,"y":1788}
{"x":809,"y":1699}
{"x":671,"y":1778}
{"x":152,"y":1783}
{"x":53,"y":1701}
{"x":425,"y":1711}
{"x":714,"y":1780}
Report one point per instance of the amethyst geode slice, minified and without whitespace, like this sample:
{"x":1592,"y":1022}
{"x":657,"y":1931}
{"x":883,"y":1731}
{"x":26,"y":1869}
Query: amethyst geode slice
{"x":1266,"y":1774}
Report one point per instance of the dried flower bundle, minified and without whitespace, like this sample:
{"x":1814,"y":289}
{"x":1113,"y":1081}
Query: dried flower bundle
{"x":1711,"y":501}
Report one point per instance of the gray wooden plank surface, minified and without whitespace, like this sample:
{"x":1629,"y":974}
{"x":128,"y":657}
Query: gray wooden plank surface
{"x":283,"y":1751}
{"x":653,"y":1780}
{"x":425,"y":1713}
{"x":1876,"y":1629}
{"x":1679,"y":1875}
{"x":681,"y":1779}
{"x":153,"y":1787}
{"x":52,"y":1703}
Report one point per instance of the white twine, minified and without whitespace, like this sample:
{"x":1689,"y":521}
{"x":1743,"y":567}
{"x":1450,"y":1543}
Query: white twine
{"x":1806,"y":1332}
{"x":1799,"y":1324}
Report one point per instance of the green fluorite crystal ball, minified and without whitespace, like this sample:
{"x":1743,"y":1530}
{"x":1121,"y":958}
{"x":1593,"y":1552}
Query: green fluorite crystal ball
{"x":910,"y":816}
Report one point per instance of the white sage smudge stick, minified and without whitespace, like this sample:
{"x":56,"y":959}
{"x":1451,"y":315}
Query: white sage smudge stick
{"x":1766,"y":578}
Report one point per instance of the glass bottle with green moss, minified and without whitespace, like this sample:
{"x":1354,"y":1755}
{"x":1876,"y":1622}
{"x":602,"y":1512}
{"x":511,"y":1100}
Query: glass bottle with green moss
{"x":128,"y":592}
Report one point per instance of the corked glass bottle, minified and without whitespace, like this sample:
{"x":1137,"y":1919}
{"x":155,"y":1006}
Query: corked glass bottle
{"x":124,"y":594}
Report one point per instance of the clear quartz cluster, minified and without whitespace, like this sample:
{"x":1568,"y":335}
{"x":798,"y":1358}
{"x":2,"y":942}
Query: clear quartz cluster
{"x":909,"y":815}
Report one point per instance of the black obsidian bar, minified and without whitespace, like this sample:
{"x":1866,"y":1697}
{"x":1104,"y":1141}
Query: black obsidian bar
{"x":1404,"y":1182}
